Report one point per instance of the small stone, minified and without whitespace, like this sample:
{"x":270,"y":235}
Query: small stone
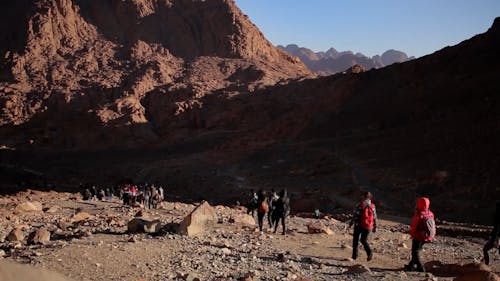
{"x":226,"y":251}
{"x":53,"y":209}
{"x":192,"y":277}
{"x":358,"y":269}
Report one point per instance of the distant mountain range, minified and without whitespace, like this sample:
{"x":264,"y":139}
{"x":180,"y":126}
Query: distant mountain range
{"x":333,"y":61}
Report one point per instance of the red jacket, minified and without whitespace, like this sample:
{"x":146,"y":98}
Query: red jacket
{"x":422,"y":212}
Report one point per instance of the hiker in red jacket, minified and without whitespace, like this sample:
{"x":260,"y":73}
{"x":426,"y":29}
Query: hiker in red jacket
{"x":422,"y":230}
{"x":365,"y":221}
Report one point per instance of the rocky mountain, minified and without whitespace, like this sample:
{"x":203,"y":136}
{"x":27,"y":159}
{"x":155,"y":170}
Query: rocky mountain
{"x":98,"y":91}
{"x":97,"y":62}
{"x":332,"y":61}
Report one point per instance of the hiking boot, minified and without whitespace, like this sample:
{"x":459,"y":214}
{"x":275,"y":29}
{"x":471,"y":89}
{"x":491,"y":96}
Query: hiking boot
{"x":370,"y":257}
{"x":420,"y":269}
{"x":409,"y":267}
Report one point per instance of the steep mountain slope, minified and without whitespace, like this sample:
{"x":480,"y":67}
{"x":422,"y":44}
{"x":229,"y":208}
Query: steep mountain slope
{"x":99,"y":59}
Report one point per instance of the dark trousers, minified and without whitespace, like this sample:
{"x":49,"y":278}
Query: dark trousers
{"x":490,"y":245}
{"x":270,"y":219}
{"x":276,"y":219}
{"x":416,"y":247}
{"x":260,"y":218}
{"x":362,"y":233}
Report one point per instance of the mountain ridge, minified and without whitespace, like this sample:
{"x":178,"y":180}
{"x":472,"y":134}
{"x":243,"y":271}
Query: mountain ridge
{"x":332,"y":61}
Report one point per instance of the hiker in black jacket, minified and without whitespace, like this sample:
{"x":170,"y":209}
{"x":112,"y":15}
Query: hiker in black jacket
{"x":495,"y":233}
{"x":281,"y":210}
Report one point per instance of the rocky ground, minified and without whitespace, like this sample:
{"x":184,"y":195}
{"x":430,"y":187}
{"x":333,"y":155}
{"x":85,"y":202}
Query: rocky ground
{"x":88,"y":240}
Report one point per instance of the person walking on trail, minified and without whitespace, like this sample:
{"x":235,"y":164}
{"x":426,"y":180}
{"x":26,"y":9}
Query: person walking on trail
{"x":263,"y":207}
{"x":161,"y":193}
{"x":365,"y":221}
{"x":281,"y":211}
{"x":494,"y":236}
{"x":273,"y":198}
{"x":422,"y":230}
{"x":252,"y":204}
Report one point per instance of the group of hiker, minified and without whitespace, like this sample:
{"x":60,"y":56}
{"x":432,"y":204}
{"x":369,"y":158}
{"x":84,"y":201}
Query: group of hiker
{"x":422,"y":230}
{"x":147,"y":195}
{"x":275,"y":205}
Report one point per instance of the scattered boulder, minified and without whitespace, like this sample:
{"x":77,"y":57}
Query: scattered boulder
{"x":141,"y":225}
{"x":29,"y":206}
{"x":358,"y":269}
{"x":196,"y":222}
{"x":80,"y":216}
{"x":242,"y":219}
{"x":316,"y":227}
{"x":39,"y":236}
{"x":15,"y":235}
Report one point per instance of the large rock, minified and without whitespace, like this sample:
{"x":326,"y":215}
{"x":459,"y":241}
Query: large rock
{"x":15,"y":272}
{"x":141,"y":225}
{"x":15,"y":235}
{"x":30,"y":206}
{"x":317,"y":227}
{"x":242,"y":219}
{"x":196,"y":222}
{"x":39,"y":236}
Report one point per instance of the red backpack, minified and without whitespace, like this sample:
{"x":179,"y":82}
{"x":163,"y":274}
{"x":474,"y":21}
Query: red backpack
{"x":367,"y":216}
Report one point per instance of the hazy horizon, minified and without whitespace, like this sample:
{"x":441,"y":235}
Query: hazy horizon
{"x":415,"y":27}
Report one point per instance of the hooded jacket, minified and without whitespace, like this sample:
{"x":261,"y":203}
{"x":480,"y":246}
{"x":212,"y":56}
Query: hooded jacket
{"x":422,"y":213}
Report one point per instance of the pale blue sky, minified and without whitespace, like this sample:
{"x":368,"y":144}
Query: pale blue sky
{"x":417,"y":27}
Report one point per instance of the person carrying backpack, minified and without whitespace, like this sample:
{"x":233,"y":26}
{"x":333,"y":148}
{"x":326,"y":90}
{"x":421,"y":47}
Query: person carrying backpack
{"x":263,"y":207}
{"x":365,"y":221}
{"x":422,"y":230}
{"x":495,"y":234}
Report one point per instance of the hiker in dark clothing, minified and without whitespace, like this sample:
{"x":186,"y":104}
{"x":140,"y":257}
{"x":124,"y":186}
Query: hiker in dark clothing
{"x":147,"y":198}
{"x":87,"y":195}
{"x":273,"y":198}
{"x":101,"y":194}
{"x":281,"y":211}
{"x":422,"y":230}
{"x":365,"y":221}
{"x":94,"y":192}
{"x":495,"y":234}
{"x":263,"y":207}
{"x":252,"y":204}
